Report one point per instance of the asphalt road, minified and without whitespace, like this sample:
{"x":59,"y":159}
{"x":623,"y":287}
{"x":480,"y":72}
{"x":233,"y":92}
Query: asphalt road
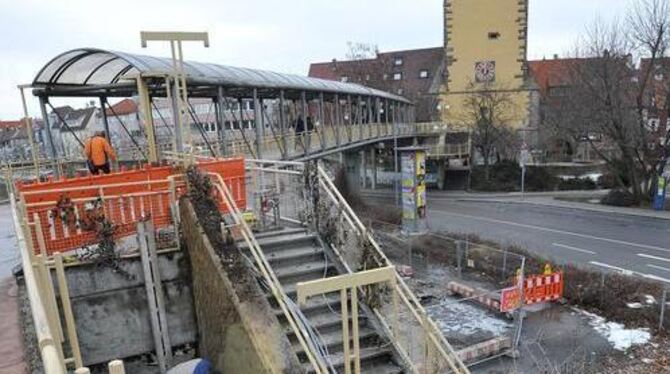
{"x":605,"y":240}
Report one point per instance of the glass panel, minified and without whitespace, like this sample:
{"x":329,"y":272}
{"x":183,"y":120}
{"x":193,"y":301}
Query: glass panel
{"x":50,"y":69}
{"x":82,"y":68}
{"x":107,"y":72}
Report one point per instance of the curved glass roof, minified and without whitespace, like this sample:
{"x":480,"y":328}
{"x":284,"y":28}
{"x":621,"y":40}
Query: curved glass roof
{"x":92,"y":67}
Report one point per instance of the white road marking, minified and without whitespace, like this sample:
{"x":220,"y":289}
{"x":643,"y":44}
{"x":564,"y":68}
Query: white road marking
{"x":574,"y":248}
{"x":658,"y":267}
{"x":654,"y":257}
{"x":612,"y":267}
{"x":651,"y":247}
{"x":630,"y":272}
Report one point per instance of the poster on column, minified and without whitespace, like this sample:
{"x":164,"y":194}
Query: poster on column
{"x":408,"y":183}
{"x":420,"y":184}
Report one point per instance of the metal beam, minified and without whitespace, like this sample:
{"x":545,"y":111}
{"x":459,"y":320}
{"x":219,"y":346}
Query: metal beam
{"x":258,"y":122}
{"x":145,"y":110}
{"x":221,"y":118}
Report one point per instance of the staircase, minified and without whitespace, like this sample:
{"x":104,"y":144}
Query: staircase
{"x":296,"y":256}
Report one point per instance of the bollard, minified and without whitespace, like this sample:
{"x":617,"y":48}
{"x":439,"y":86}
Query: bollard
{"x":116,"y":367}
{"x":504,"y":264}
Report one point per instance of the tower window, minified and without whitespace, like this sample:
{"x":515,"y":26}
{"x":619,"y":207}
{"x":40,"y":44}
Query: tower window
{"x":494,"y":35}
{"x":397,"y":76}
{"x":423,"y":74}
{"x":398,"y":61}
{"x":344,"y":78}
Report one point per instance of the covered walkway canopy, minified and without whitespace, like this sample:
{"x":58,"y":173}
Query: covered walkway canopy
{"x":342,"y":113}
{"x":97,"y":72}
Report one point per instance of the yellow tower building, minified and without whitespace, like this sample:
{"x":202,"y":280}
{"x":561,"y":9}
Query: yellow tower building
{"x":485,"y":42}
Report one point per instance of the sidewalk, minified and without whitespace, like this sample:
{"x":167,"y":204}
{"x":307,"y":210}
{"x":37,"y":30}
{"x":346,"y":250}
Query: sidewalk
{"x":11,"y":337}
{"x":551,"y":202}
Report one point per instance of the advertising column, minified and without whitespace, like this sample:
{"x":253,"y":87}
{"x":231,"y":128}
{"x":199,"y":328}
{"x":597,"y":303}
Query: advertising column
{"x":413,"y":170}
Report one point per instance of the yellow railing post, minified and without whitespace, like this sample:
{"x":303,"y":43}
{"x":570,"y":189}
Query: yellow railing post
{"x":70,"y":325}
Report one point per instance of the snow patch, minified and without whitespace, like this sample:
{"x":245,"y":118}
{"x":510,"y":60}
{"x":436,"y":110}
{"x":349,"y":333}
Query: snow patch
{"x":466,"y":319}
{"x":635,"y":305}
{"x":650,"y":299}
{"x":617,"y":334}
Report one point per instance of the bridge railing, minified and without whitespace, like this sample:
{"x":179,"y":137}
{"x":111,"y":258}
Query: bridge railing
{"x":307,"y":195}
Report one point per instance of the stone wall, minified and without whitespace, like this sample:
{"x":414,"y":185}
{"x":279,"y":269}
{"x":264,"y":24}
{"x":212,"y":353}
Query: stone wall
{"x":237,"y":329}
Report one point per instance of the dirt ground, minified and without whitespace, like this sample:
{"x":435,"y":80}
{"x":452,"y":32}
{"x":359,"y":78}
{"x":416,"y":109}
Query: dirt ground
{"x":555,"y":338}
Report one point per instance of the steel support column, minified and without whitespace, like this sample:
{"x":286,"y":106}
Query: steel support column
{"x":145,"y":110}
{"x":350,"y":120}
{"x":359,"y":114}
{"x":369,"y":122}
{"x":282,"y":124}
{"x":105,"y":121}
{"x":220,"y":98}
{"x":338,"y":119}
{"x":306,"y":134}
{"x":378,"y":116}
{"x":258,"y":122}
{"x":322,"y":122}
{"x":396,"y":168}
{"x":51,"y":146}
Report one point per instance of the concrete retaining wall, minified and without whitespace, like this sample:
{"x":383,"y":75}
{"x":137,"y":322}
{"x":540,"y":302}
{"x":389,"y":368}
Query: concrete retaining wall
{"x":112,"y":314}
{"x":237,"y":329}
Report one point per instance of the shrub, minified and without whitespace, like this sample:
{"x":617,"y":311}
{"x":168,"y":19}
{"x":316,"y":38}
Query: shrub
{"x":619,"y":197}
{"x":577,"y":184}
{"x":540,"y":179}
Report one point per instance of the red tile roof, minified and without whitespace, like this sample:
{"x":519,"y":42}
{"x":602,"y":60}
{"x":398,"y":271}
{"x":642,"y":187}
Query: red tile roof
{"x":551,"y":73}
{"x":123,"y":107}
{"x":5,"y":125}
{"x":370,"y":72}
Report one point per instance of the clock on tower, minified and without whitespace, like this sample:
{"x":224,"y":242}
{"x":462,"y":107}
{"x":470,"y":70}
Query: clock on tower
{"x":485,"y":71}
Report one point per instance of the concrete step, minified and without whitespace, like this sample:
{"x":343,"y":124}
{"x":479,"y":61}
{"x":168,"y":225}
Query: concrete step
{"x":295,"y":256}
{"x":280,"y":232}
{"x":372,"y":359}
{"x":281,"y":242}
{"x":325,"y":323}
{"x":312,"y":270}
{"x":314,"y":305}
{"x":333,"y":341}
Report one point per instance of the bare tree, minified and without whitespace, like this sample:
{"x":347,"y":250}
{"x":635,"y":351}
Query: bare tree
{"x":366,"y":65}
{"x":488,"y":113}
{"x":606,"y":102}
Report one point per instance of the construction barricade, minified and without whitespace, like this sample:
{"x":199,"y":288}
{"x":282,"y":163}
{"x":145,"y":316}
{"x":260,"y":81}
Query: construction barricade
{"x":61,"y":214}
{"x":537,"y":289}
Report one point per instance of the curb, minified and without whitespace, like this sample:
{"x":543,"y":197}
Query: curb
{"x":581,"y":207}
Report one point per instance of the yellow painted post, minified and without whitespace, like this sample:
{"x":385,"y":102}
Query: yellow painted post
{"x":41,"y":242}
{"x":354,"y":323}
{"x":147,"y":115}
{"x":29,"y":131}
{"x":116,"y":367}
{"x":345,"y":331}
{"x":48,"y":296}
{"x":82,"y":370}
{"x":70,"y":325}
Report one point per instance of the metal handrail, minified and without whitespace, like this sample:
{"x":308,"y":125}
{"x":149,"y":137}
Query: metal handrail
{"x":407,"y":296}
{"x":269,"y":275}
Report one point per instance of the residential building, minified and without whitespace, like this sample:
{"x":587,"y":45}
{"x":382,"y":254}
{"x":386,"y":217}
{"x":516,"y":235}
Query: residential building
{"x":71,"y":128}
{"x":416,"y":74}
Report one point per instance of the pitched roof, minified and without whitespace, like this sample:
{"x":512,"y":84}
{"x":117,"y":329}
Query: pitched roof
{"x":123,"y":107}
{"x":77,"y":119}
{"x":551,"y":73}
{"x":6,"y":125}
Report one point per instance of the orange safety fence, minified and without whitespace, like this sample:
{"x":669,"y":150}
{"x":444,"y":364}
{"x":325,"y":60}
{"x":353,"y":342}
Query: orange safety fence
{"x":61,"y":210}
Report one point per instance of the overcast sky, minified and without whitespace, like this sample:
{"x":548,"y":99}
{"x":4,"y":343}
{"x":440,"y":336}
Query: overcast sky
{"x":283,"y":36}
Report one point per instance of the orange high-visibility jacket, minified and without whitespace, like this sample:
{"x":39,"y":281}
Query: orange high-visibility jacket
{"x":99,"y":151}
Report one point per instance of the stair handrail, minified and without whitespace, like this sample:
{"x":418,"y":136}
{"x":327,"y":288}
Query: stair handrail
{"x":407,"y":296}
{"x":269,"y":275}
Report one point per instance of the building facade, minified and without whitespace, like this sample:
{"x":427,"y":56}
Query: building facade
{"x":485,"y":45}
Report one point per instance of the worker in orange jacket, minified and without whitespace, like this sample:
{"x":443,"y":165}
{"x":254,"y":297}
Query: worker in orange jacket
{"x":99,"y":153}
